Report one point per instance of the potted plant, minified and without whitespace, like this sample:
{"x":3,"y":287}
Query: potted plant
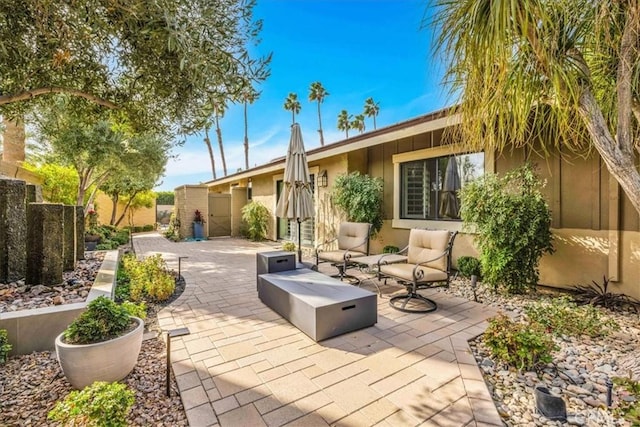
{"x":198,"y":225}
{"x":102,"y":344}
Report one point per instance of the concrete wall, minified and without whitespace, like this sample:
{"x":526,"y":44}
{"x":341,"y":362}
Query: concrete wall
{"x":37,"y":329}
{"x":134,"y":217}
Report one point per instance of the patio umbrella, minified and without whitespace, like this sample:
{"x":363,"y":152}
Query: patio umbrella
{"x":449,"y":204}
{"x":296,"y":199}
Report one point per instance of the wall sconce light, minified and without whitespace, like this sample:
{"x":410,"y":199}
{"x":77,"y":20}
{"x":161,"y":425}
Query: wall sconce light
{"x":322,"y":178}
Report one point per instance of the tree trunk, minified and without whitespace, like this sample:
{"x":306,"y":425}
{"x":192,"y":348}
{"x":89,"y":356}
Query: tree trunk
{"x":619,"y":160}
{"x":320,"y":126}
{"x":374,"y":121}
{"x":114,"y":208}
{"x":208,"y":142}
{"x":84,"y":176}
{"x":126,"y":208}
{"x":13,"y":141}
{"x":219,"y":133}
{"x":246,"y":139}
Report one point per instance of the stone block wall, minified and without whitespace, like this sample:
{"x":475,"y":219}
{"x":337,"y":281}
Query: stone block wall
{"x":13,"y":230}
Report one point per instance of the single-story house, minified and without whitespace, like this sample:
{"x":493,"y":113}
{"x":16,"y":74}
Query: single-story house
{"x":596,"y":229}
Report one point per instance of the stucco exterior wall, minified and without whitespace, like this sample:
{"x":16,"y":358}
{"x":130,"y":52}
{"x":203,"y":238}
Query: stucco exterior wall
{"x":134,"y":217}
{"x":188,"y":199}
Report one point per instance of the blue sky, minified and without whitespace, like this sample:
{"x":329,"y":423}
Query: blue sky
{"x":355,"y":48}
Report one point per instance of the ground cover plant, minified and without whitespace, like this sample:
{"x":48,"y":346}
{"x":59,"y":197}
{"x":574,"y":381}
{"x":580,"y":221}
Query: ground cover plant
{"x":100,"y":404}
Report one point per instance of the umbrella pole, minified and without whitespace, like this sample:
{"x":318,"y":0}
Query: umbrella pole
{"x":299,"y":243}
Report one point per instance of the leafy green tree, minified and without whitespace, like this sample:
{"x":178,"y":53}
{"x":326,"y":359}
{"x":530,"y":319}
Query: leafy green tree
{"x":247,"y":96}
{"x":318,"y":93}
{"x":344,"y":122}
{"x":371,"y":109}
{"x":155,"y":64}
{"x":60,"y":182}
{"x":137,"y":171}
{"x":566,"y":73}
{"x":165,"y":197}
{"x":292,"y":104}
{"x":513,"y":225}
{"x":359,"y":197}
{"x":358,"y":123}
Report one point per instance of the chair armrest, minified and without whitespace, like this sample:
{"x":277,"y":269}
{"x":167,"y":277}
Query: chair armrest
{"x":347,"y":255}
{"x":319,"y":247}
{"x":381,"y":260}
{"x":418,"y":274}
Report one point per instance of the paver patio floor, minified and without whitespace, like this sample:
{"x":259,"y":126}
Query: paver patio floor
{"x":244,"y":365}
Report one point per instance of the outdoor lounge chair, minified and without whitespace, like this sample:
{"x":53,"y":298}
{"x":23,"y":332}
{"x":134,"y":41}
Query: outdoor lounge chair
{"x":428,"y":262}
{"x":353,"y":241}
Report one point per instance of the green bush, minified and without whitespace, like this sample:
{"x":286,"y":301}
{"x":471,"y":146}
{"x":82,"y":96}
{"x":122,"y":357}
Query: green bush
{"x":121,"y":237}
{"x":107,"y":245}
{"x":520,"y":345}
{"x":390,"y":249}
{"x":257,"y":217}
{"x":173,"y":232}
{"x":289,"y":246}
{"x":102,"y":320}
{"x":100,"y":404}
{"x":137,"y":310}
{"x":5,"y":347}
{"x":561,"y":316}
{"x":359,"y":197}
{"x":469,"y":266}
{"x":148,"y":227}
{"x":148,"y":278}
{"x":512,"y":221}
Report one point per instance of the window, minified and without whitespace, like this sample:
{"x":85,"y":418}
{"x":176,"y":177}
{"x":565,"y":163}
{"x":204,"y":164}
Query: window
{"x":429,"y":187}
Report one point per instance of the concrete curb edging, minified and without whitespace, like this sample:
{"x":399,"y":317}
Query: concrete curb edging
{"x":37,"y":329}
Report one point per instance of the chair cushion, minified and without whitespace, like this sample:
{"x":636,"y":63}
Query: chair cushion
{"x":337,"y":256}
{"x":405,"y":272}
{"x":351,"y":234}
{"x":428,"y":244}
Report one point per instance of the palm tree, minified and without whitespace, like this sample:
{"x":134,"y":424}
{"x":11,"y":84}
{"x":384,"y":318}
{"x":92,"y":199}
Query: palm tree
{"x":218,"y":113}
{"x":292,"y":104}
{"x":358,"y":123}
{"x":317,"y":93}
{"x":208,"y":142}
{"x":344,"y":122}
{"x":569,"y":69}
{"x":371,"y":109}
{"x":248,"y":96}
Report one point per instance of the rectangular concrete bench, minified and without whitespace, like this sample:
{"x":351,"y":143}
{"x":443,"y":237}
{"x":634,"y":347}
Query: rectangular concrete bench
{"x":320,"y":306}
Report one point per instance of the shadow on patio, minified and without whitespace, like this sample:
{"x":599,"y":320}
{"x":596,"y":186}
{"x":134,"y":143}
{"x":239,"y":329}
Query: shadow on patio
{"x":244,"y":365}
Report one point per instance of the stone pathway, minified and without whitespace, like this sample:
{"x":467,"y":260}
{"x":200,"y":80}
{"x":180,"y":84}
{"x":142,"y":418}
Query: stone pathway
{"x":244,"y":365}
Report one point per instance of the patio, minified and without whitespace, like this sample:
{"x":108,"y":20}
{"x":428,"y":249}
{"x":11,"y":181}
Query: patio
{"x":244,"y":365}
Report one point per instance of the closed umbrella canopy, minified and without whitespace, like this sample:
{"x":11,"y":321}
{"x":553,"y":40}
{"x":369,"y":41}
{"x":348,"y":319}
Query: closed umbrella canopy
{"x":296,"y":199}
{"x":449,"y":204}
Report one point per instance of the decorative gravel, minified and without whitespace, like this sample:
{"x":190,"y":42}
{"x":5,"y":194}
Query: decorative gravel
{"x":75,"y":287}
{"x":30,"y":385}
{"x":578,"y":373}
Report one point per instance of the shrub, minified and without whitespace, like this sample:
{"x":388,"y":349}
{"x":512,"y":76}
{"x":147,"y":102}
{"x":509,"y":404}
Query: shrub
{"x":148,"y":278}
{"x":137,"y":310}
{"x":147,"y":227}
{"x":390,"y":249}
{"x":469,"y":266}
{"x":599,"y":294}
{"x":5,"y":347}
{"x":512,"y":221}
{"x":100,"y":404}
{"x":173,"y":232}
{"x":518,"y":344}
{"x":257,"y":217}
{"x":561,"y":316}
{"x":359,"y":197}
{"x":102,"y":320}
{"x":107,"y":245}
{"x":289,"y":246}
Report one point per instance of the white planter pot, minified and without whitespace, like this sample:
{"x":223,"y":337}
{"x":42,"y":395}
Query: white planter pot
{"x":109,"y":361}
